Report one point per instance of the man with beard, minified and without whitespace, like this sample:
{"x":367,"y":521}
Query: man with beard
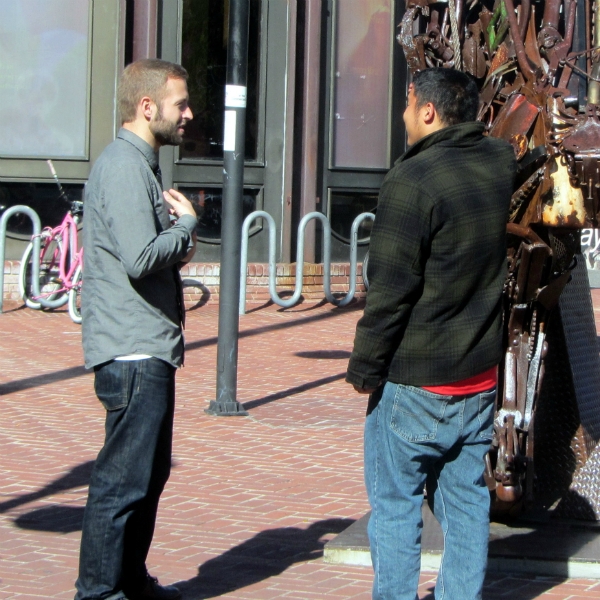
{"x":134,"y":238}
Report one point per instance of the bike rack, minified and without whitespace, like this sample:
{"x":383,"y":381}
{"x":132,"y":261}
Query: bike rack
{"x":37,"y":227}
{"x":300,"y":262}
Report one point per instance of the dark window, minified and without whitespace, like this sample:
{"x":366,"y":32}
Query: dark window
{"x":344,"y":207}
{"x":207,"y":202}
{"x":44,"y":198}
{"x":204,"y":55}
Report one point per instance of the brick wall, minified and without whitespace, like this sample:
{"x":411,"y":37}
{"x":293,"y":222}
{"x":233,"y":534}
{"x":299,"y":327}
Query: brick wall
{"x":257,"y":282}
{"x":201,"y":281}
{"x":11,"y":280}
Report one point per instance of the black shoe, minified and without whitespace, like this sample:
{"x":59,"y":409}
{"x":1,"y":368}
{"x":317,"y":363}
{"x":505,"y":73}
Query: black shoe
{"x":154,"y":591}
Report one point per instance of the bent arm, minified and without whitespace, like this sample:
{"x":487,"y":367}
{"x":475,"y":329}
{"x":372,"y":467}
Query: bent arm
{"x":397,"y":255}
{"x":143,"y":240}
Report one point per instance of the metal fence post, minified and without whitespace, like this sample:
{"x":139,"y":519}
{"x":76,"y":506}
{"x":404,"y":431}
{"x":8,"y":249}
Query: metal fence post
{"x":37,"y":227}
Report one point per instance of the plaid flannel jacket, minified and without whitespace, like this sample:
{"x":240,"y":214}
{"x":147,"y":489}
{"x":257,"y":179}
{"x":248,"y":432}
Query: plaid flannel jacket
{"x":437,"y":263}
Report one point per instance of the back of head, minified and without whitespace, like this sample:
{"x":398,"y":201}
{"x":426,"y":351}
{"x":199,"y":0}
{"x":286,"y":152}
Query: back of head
{"x":145,"y":77}
{"x":453,"y":93}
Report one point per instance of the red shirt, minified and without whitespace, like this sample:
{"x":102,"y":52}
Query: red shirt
{"x":479,"y":383}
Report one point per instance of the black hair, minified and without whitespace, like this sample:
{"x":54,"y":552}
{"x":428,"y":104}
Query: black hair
{"x":453,"y":93}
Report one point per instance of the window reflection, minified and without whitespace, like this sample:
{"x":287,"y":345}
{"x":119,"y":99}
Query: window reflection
{"x":204,"y":55}
{"x":44,"y":78}
{"x":362,"y":82}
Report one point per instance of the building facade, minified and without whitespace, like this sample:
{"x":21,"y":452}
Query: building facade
{"x":326,"y":90}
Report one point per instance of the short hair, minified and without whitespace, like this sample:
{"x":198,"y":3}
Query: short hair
{"x":145,"y":77}
{"x":453,"y":93}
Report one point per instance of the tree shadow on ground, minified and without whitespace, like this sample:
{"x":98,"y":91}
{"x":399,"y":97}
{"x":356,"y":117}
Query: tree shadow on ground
{"x":267,"y":554}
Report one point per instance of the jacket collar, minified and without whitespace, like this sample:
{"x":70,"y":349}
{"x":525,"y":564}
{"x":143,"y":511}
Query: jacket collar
{"x":144,"y":147}
{"x":460,"y":135}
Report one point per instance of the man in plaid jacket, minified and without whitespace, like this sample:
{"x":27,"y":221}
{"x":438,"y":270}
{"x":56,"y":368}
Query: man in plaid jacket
{"x":429,"y":342}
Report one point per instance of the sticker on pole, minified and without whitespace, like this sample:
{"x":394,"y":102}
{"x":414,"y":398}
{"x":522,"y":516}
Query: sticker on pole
{"x":230,"y":124}
{"x":235,"y":96}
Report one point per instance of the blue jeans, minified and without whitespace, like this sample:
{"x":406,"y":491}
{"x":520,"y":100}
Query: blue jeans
{"x":128,"y":477}
{"x":413,"y":436}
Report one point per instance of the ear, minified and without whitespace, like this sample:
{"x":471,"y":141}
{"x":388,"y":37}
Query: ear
{"x":428,"y":113}
{"x":147,"y":108}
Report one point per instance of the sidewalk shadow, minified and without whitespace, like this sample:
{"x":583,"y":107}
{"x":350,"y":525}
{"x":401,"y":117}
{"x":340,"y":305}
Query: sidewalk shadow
{"x":78,"y":476}
{"x":325,"y":354}
{"x":553,"y":540}
{"x":20,"y":385}
{"x":267,"y":554}
{"x":299,"y":389}
{"x":189,"y":281}
{"x":55,"y":518}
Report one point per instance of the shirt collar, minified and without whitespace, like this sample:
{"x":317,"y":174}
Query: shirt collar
{"x":144,"y":147}
{"x":462,"y":134}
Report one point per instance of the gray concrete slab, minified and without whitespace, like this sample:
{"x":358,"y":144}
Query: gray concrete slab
{"x":543,"y":547}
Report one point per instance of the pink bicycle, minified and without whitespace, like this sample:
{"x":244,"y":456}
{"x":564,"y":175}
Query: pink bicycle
{"x":61,"y":263}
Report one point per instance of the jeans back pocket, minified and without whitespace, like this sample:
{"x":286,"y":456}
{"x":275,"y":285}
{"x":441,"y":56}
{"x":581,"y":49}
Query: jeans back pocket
{"x":416,"y":414}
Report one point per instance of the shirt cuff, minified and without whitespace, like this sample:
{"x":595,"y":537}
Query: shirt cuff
{"x":363,"y":383}
{"x":188,"y":222}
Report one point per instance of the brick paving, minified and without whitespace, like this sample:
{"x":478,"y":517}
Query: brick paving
{"x":251,"y":500}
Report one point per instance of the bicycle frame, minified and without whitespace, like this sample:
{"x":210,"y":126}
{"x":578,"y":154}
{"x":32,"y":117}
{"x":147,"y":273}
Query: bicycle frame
{"x":64,"y":257}
{"x":59,"y":254}
{"x":70,"y":250}
{"x":70,"y":241}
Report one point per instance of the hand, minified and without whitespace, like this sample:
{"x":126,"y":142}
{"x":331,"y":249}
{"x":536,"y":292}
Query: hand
{"x":364,"y":390}
{"x":179,"y":204}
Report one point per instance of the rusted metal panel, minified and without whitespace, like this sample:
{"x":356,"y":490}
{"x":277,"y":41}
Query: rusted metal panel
{"x":527,"y":65}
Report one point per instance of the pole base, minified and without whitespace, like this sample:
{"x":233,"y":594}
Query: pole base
{"x":225,"y":409}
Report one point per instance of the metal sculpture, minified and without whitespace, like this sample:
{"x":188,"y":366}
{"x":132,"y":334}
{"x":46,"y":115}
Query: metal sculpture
{"x":538,"y":67}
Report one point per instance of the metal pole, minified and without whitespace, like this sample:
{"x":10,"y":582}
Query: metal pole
{"x":226,"y":403}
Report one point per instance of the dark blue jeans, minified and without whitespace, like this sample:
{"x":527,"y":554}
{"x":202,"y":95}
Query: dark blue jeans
{"x":128,"y":477}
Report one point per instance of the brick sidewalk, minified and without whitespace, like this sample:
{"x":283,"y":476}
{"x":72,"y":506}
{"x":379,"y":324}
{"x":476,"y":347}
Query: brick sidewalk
{"x":250,"y":501}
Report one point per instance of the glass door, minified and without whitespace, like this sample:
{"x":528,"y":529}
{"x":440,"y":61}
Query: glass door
{"x":195,"y":34}
{"x":365,"y":87}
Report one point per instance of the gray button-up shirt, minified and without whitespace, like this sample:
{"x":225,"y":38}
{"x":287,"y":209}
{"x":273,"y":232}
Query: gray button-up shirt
{"x":130,"y":299}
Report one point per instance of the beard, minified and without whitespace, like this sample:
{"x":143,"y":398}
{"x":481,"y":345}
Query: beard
{"x":166,"y":132}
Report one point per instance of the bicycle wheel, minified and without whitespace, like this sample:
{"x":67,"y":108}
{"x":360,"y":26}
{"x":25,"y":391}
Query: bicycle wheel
{"x":74,"y":304}
{"x":51,"y":287}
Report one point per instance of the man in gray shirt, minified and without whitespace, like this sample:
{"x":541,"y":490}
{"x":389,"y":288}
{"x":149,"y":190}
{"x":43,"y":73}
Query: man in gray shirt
{"x":132,"y":309}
